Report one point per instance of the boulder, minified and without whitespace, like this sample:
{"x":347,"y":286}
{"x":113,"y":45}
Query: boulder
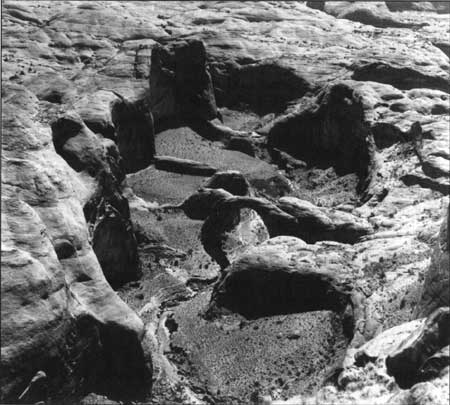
{"x":364,"y":375}
{"x":416,"y":357}
{"x":95,"y":399}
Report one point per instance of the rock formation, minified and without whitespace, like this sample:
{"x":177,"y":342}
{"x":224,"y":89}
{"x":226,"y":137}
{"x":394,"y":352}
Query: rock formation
{"x":270,"y":280}
{"x":436,"y":292}
{"x":412,"y":362}
{"x":59,"y":315}
{"x":330,"y":131}
{"x":208,"y":202}
{"x":290,"y":216}
{"x":180,"y":84}
{"x":108,"y":216}
{"x":128,"y":123}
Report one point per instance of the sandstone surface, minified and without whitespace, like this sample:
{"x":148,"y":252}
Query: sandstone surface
{"x":225,"y":202}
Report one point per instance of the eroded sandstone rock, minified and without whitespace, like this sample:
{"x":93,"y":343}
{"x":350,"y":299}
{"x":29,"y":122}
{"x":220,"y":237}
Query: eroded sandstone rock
{"x":398,"y":76}
{"x":113,"y":239}
{"x":134,"y":133}
{"x":232,"y":181}
{"x":280,"y":277}
{"x":375,"y":14}
{"x":180,"y":84}
{"x":128,"y":123}
{"x":329,"y":131}
{"x":82,"y":149}
{"x":59,"y":315}
{"x":436,"y":288}
{"x":408,"y":363}
{"x":289,"y":216}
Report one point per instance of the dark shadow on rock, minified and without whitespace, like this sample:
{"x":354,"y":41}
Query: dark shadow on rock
{"x":113,"y":239}
{"x":257,"y":289}
{"x":328,"y":131}
{"x":232,"y":181}
{"x":180,"y":83}
{"x":261,"y":283}
{"x":135,"y":135}
{"x":413,"y":359}
{"x":265,"y":87}
{"x":404,"y":78}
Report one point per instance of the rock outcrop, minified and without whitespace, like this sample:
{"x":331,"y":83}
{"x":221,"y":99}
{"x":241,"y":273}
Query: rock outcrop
{"x":330,"y":131}
{"x":59,"y":315}
{"x":398,"y":76}
{"x":278,"y":278}
{"x":108,"y":216}
{"x":82,"y":149}
{"x":335,"y":114}
{"x":290,"y":216}
{"x":134,"y":134}
{"x":436,"y":290}
{"x":413,"y":360}
{"x":375,"y":13}
{"x":180,"y":84}
{"x":232,"y":181}
{"x":128,"y":123}
{"x":403,"y":5}
{"x":316,"y":223}
{"x":265,"y":87}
